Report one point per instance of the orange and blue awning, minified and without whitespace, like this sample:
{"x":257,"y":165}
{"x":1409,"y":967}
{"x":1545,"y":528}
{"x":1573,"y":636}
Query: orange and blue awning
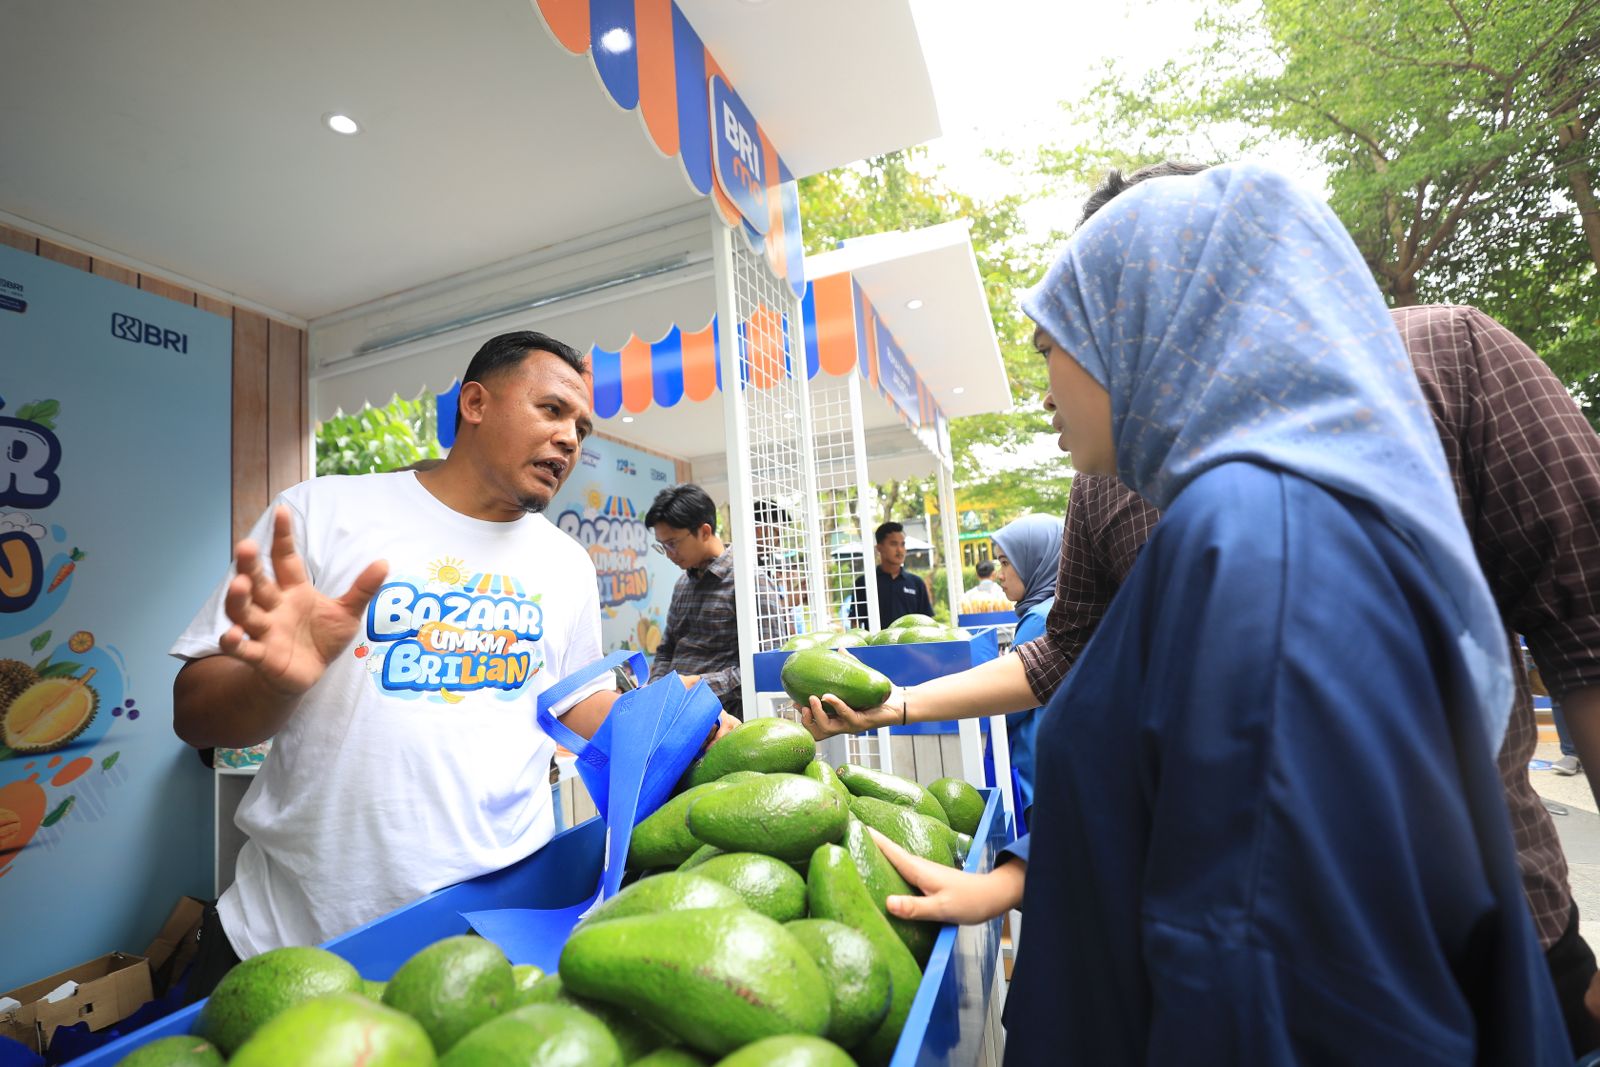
{"x":651,"y":60}
{"x":844,"y":335}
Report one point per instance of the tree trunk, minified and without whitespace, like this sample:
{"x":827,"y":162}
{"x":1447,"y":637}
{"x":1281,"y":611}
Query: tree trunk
{"x":1583,"y":191}
{"x":1404,"y":291}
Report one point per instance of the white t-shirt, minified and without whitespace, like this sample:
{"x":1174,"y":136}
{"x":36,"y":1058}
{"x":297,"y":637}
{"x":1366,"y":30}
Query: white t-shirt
{"x":416,"y":761}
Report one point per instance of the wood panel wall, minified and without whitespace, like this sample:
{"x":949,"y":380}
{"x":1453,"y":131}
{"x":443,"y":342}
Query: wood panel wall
{"x":271,"y":427}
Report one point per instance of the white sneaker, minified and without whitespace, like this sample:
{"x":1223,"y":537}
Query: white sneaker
{"x":1567,"y":765}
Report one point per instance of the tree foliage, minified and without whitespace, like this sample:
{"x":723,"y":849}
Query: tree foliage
{"x":1457,"y":138}
{"x":378,"y":439}
{"x":901,"y":192}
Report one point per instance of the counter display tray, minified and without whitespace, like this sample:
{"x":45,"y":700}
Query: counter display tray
{"x":947,"y":1018}
{"x":904,"y":665}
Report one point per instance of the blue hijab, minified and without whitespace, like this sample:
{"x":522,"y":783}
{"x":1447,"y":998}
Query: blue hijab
{"x":1230,"y":317}
{"x":1032,"y":544}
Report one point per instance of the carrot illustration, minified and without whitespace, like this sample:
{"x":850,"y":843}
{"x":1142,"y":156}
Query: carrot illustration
{"x":66,"y":569}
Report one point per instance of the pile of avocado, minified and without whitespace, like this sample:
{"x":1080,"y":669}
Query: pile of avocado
{"x":753,"y":933}
{"x":906,"y":630}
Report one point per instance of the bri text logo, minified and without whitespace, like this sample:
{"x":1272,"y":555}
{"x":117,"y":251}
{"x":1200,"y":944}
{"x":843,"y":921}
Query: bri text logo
{"x":147,"y":333}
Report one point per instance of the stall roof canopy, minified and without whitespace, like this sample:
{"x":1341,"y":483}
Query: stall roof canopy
{"x":949,"y":333}
{"x":188,"y":135}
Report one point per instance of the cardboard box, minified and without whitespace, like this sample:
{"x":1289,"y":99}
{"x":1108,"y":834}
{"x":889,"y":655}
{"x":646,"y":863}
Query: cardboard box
{"x":110,"y":989}
{"x":169,"y":954}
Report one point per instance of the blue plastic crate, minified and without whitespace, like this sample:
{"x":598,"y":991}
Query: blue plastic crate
{"x":946,"y":1021}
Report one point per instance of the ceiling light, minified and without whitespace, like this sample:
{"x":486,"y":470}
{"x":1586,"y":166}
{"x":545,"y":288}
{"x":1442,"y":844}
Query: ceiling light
{"x":339,"y":122}
{"x":913,"y":305}
{"x":958,"y":390}
{"x":616,"y":40}
{"x":627,"y":418}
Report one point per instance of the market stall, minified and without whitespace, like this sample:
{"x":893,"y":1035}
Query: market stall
{"x":365,"y":193}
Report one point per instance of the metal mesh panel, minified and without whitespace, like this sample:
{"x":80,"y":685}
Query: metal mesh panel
{"x":772,"y":366}
{"x":833,"y":447}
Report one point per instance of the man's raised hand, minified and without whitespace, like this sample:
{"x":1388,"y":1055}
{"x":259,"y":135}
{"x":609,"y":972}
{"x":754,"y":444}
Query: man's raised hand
{"x":283,"y":627}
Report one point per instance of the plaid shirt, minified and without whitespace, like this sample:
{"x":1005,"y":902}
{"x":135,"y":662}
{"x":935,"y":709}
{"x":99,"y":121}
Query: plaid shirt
{"x":1526,"y":467}
{"x":702,"y":632}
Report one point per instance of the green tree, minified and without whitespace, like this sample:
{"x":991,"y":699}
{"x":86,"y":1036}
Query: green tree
{"x":379,"y":439}
{"x":1457,"y":137}
{"x":901,"y":192}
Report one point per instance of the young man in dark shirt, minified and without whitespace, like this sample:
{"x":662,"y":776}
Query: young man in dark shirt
{"x":899,"y":591}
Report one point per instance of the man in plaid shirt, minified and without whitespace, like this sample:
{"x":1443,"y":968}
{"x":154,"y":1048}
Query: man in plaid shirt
{"x":701,"y":638}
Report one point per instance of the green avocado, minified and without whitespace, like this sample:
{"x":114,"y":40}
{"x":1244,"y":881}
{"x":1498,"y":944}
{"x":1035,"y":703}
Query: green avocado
{"x":768,"y":885}
{"x":716,"y":978}
{"x":883,"y":881}
{"x":911,"y":830}
{"x":789,"y":1051}
{"x":671,"y":1057}
{"x":816,"y":639}
{"x":759,"y":745}
{"x":672,"y":891}
{"x":821,"y":772}
{"x":633,"y":1035}
{"x":663,"y":839}
{"x":337,"y":1030}
{"x":817,"y":672}
{"x":264,"y":985}
{"x":782,"y":815}
{"x":453,"y":986}
{"x":868,"y":782}
{"x":836,"y":893}
{"x":856,"y":973}
{"x":548,"y":1035}
{"x":962,"y":804}
{"x":185,"y":1050}
{"x":701,"y":854}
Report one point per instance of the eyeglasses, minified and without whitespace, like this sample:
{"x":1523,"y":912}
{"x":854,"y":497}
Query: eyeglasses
{"x":669,"y":547}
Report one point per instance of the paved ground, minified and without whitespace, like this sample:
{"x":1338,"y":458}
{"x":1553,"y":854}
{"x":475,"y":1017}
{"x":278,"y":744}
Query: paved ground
{"x":1580,"y":837}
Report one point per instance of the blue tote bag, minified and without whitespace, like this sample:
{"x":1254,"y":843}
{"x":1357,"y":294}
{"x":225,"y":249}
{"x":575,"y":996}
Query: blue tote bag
{"x":644,"y":746}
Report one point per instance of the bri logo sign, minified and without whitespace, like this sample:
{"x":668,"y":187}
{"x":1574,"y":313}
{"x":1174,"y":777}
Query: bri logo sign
{"x":138,"y":331}
{"x":740,"y":165}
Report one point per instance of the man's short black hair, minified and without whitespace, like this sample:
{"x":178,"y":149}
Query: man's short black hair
{"x":508,"y":350}
{"x":683,"y":507}
{"x":1116,"y":183}
{"x":769,"y":513}
{"x":882,"y":532}
{"x":985,"y":568}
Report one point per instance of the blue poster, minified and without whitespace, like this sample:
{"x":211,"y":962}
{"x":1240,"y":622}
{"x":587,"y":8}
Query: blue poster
{"x":115,"y":409}
{"x":603,"y":505}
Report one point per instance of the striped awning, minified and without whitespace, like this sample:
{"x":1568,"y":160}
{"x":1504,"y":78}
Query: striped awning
{"x":651,"y":60}
{"x":844,"y":335}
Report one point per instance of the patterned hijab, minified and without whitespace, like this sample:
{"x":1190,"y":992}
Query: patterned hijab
{"x":1033,"y":545}
{"x":1230,"y":317}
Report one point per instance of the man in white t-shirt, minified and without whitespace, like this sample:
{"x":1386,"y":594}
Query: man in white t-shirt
{"x":393,"y":644}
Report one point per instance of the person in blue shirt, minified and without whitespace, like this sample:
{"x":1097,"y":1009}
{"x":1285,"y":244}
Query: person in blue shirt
{"x":1029,"y":550}
{"x":1267,"y":826}
{"x":899,"y":591}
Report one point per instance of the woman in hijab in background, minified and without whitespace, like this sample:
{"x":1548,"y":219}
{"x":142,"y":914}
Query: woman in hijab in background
{"x":1030,"y":552}
{"x":1267,"y":827}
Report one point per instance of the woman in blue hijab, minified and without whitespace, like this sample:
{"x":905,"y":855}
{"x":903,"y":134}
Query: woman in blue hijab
{"x":1030,"y":551}
{"x":1267,"y":827}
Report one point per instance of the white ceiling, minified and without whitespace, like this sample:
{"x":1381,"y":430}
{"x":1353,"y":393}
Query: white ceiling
{"x":950,"y":338}
{"x":850,"y":68}
{"x":187,"y":134}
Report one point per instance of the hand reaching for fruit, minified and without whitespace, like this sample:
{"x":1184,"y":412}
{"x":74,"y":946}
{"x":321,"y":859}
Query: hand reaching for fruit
{"x":828,"y":716}
{"x":951,"y":896}
{"x":286,"y":629}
